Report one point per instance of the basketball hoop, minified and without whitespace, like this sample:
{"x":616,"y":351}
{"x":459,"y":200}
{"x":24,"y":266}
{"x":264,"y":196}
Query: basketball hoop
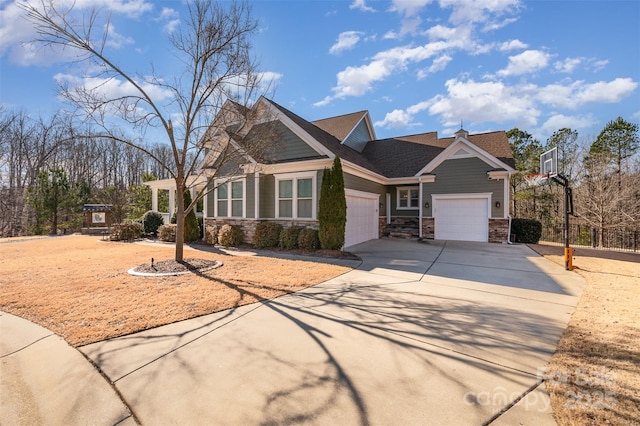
{"x":535,"y":179}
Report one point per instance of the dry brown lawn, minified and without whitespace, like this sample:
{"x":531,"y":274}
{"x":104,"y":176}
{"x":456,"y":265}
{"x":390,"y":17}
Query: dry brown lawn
{"x":594,"y":376}
{"x":78,"y":286}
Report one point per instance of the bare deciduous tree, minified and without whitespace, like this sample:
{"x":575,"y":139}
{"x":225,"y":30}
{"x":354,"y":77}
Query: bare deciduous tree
{"x":218,"y":71}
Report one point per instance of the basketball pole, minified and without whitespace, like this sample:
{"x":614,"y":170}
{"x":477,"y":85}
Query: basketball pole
{"x":568,"y":252}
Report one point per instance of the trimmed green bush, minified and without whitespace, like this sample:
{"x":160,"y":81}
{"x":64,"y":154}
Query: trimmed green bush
{"x":126,"y":231}
{"x":230,"y":236}
{"x":289,"y":237}
{"x":167,"y":233}
{"x":151,"y":221}
{"x":526,"y":230}
{"x":308,"y":239}
{"x":267,"y":235}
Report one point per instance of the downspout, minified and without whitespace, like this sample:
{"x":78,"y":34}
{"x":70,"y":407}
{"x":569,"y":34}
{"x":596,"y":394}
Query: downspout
{"x":509,"y":231}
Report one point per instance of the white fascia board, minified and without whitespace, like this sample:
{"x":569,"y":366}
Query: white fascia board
{"x":354,"y":169}
{"x":306,"y":137}
{"x":499,"y":174}
{"x":455,"y":145}
{"x":297,"y":166}
{"x":403,"y":181}
{"x":161,"y":184}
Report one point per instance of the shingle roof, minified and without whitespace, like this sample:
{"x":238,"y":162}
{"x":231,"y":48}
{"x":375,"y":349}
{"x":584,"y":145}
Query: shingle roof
{"x":329,"y":141}
{"x":340,"y":126}
{"x":401,"y":156}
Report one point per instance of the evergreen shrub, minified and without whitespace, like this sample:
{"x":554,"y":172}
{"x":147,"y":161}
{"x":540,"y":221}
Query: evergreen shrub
{"x":230,"y":236}
{"x":289,"y":237}
{"x":126,"y":231}
{"x":526,"y":230}
{"x":167,"y":232}
{"x":308,"y":239}
{"x":212,"y":234}
{"x":151,"y":221}
{"x":266,"y":235}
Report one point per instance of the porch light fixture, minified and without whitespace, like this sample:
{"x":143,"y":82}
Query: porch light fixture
{"x":497,"y":204}
{"x":426,"y":205}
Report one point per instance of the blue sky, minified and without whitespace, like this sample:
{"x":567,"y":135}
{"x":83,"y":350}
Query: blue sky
{"x":416,"y":65}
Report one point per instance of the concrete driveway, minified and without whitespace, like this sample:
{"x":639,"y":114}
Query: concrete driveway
{"x":434,"y":333}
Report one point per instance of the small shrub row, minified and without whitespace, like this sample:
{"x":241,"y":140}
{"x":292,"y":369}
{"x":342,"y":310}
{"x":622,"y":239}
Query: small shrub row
{"x":272,"y":234}
{"x":526,"y":230}
{"x":126,"y":231}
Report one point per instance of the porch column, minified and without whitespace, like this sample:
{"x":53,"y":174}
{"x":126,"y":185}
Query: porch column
{"x":154,"y":199}
{"x":256,"y":198}
{"x":193,"y":192}
{"x":172,"y":202}
{"x":205,"y":202}
{"x":420,"y":207}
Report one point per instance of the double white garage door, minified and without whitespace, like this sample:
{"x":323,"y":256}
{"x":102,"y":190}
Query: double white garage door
{"x":456,"y":218}
{"x":461,"y":219}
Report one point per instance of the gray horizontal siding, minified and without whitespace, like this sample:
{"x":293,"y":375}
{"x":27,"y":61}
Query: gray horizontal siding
{"x":289,"y":146}
{"x":359,"y":137}
{"x":464,"y":176}
{"x":360,"y":184}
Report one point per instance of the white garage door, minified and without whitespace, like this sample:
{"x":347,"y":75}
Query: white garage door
{"x":462,"y":219}
{"x":362,"y":217}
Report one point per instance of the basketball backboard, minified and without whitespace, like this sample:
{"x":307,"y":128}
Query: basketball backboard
{"x":549,"y":162}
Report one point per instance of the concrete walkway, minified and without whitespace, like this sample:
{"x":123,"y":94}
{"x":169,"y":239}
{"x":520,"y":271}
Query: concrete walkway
{"x":435,"y":333}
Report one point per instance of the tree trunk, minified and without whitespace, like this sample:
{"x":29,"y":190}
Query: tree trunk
{"x":179,"y":255}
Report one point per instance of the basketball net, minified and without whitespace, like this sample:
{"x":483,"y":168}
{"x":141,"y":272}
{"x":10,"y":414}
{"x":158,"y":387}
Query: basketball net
{"x":534,"y":180}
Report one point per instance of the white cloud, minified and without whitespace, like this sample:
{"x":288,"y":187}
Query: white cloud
{"x":512,"y":45}
{"x":526,"y":62}
{"x":560,"y":121}
{"x":479,"y":11}
{"x":361,"y":5}
{"x":396,"y":119}
{"x":115,"y":39}
{"x":357,"y":81}
{"x":438,"y":64}
{"x":168,"y":13}
{"x":575,"y":94}
{"x":171,"y":17}
{"x":485,"y":102}
{"x":16,"y":34}
{"x":347,"y":40}
{"x":111,"y":88}
{"x":408,"y":8}
{"x":568,"y":65}
{"x":607,"y":92}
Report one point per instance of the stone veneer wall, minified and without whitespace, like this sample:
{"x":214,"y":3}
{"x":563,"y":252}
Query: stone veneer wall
{"x":382,"y":227}
{"x":248,"y":226}
{"x":428,"y":228}
{"x":498,"y":230}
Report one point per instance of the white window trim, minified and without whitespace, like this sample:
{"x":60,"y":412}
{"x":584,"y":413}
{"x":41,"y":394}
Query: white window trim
{"x":229,"y":199}
{"x":407,"y":188}
{"x":294,"y":208}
